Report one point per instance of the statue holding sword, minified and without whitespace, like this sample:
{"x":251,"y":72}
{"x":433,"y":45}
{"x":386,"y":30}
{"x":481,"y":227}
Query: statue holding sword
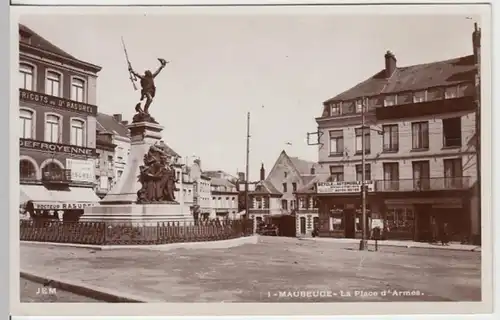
{"x":148,"y":88}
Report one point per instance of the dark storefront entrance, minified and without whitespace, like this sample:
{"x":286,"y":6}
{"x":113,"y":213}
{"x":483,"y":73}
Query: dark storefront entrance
{"x":350,"y":223}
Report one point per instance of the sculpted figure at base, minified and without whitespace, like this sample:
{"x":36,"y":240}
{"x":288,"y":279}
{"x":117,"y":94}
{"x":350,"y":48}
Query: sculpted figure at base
{"x":157,"y":177}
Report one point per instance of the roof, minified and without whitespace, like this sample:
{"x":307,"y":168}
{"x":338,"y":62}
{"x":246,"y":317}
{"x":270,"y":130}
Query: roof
{"x":39,"y":42}
{"x":307,"y":188}
{"x":221,"y":182}
{"x":107,"y":123}
{"x":413,"y":78}
{"x":266,"y":187}
{"x":302,"y":166}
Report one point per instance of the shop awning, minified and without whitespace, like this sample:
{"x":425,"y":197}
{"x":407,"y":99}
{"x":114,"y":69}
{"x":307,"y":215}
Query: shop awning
{"x":71,"y":198}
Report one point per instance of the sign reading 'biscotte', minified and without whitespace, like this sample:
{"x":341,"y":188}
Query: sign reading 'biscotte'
{"x":56,"y":102}
{"x":56,"y":147}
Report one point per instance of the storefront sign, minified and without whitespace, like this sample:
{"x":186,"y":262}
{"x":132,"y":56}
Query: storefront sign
{"x":56,"y":102}
{"x":81,"y":170}
{"x":62,"y":205}
{"x":57,"y":175}
{"x":56,"y":147}
{"x":344,"y":186}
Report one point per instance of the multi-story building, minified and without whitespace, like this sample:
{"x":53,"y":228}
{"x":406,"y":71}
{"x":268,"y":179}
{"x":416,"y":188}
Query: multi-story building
{"x":57,"y":116}
{"x":202,"y":197}
{"x":419,"y":141}
{"x":113,"y":147}
{"x":224,"y":198}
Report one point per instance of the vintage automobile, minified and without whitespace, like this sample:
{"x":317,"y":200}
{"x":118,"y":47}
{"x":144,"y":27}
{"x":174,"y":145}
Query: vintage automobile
{"x":268,"y":230}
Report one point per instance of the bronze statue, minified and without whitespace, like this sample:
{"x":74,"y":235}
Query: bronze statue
{"x":148,"y":90}
{"x":157,"y":177}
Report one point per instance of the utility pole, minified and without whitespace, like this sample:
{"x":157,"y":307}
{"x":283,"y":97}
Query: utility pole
{"x":476,"y":39}
{"x":363,"y":243}
{"x":247,"y":166}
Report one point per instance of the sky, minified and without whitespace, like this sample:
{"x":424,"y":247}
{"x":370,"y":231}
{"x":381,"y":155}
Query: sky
{"x":280,"y":68}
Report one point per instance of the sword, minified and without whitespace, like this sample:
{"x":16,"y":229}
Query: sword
{"x":133,"y":78}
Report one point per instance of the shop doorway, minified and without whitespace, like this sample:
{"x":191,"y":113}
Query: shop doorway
{"x":349,"y":226}
{"x":302,"y":225}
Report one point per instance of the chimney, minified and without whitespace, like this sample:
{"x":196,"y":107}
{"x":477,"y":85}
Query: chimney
{"x":125,"y":122}
{"x":313,"y":170}
{"x":241,"y":176}
{"x":390,"y":64}
{"x":118,"y":117}
{"x":262,"y":173}
{"x":476,"y":43}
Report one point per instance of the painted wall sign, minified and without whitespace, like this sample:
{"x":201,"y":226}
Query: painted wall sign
{"x":62,"y":205}
{"x":56,"y":102}
{"x":56,"y":147}
{"x":81,"y":170}
{"x":344,"y":186}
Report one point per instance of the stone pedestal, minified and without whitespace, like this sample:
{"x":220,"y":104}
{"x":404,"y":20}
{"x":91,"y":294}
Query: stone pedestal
{"x":120,"y":204}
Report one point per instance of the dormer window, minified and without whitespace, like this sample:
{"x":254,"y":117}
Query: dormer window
{"x":359,"y":106}
{"x":451,"y":92}
{"x":335,"y":109}
{"x":348,"y":107}
{"x":419,"y":96}
{"x":390,"y":100}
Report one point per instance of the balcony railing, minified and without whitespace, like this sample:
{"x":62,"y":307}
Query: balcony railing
{"x":259,"y":211}
{"x":308,"y":210}
{"x":424,"y":184}
{"x":57,"y":176}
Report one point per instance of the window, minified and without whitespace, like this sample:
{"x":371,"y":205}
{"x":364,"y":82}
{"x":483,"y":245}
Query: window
{"x":359,"y":172}
{"x":391,"y":176}
{"x":26,"y":121}
{"x":77,"y":90}
{"x":110,"y":162}
{"x":52,"y":128}
{"x":400,"y":220}
{"x":390,"y":138}
{"x":53,"y":84}
{"x":453,"y":172}
{"x":27,"y":170}
{"x":294,"y":186}
{"x":455,"y":91}
{"x":285,"y":174}
{"x":284,"y":204}
{"x":390,"y":101}
{"x":77,"y":132}
{"x":348,"y":107}
{"x":336,"y":173}
{"x":119,"y":173}
{"x":110,"y":182}
{"x":420,"y":135}
{"x":313,"y":170}
{"x":359,"y":142}
{"x":421,"y":175}
{"x":335,"y":109}
{"x":359,"y":106}
{"x":452,"y":132}
{"x":419,"y":96}
{"x":336,"y":142}
{"x":284,"y":187}
{"x":404,"y":98}
{"x":435,"y":94}
{"x":26,"y":77}
{"x":336,"y":223}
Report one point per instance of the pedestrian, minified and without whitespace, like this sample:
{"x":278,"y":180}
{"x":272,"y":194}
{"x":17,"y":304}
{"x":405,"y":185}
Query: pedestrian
{"x":444,"y":234}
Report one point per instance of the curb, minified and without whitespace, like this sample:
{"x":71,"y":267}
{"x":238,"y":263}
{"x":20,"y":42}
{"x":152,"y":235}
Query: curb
{"x":218,"y":244}
{"x":382,"y":244}
{"x":85,"y":290}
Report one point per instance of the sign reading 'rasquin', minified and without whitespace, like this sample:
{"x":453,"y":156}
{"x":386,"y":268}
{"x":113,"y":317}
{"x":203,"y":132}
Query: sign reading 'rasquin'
{"x":56,"y":102}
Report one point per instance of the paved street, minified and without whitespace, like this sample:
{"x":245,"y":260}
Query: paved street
{"x":273,"y":270}
{"x":35,"y":292}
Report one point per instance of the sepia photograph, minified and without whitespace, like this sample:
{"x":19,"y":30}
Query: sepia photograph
{"x":287,"y":156}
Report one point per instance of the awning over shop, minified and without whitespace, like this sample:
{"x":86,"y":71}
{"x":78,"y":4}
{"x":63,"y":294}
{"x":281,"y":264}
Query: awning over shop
{"x":68,"y":199}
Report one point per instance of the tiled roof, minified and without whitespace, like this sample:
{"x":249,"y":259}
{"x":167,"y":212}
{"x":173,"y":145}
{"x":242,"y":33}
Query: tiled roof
{"x":303,"y":166}
{"x":40,"y":42}
{"x":413,"y":78}
{"x":312,"y":181}
{"x":220,"y":182}
{"x":267,"y":187}
{"x":107,"y":123}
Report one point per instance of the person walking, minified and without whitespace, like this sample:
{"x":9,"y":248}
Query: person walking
{"x":444,"y":234}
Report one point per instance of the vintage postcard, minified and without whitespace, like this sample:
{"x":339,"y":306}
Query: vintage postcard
{"x":299,"y":160}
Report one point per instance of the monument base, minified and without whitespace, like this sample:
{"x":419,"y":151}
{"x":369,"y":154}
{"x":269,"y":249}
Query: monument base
{"x":138,"y":214}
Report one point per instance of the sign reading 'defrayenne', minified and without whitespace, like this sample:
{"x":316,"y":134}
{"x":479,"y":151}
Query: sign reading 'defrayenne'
{"x":56,"y":147}
{"x":344,"y":186}
{"x":56,"y":102}
{"x":62,"y":205}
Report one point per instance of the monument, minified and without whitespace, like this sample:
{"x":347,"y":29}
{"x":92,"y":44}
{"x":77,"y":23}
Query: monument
{"x":145,"y":193}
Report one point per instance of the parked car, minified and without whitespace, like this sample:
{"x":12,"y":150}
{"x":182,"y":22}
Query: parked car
{"x":268,"y":230}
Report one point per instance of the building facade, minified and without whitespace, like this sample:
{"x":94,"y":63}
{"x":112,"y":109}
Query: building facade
{"x":202,"y":193}
{"x":224,"y":199}
{"x":57,"y":116}
{"x":113,"y":148}
{"x":419,"y":140}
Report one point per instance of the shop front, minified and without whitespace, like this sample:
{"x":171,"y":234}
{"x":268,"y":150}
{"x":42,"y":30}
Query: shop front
{"x":66,"y":204}
{"x":340,"y":209}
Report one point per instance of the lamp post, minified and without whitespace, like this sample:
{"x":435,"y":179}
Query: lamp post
{"x":363,"y":242}
{"x":247,"y":215}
